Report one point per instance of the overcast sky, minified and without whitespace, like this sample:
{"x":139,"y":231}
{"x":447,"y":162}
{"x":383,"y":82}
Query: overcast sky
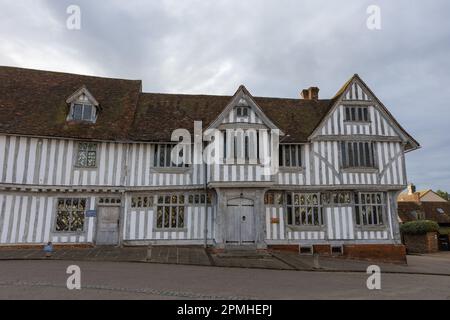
{"x":275,"y":48}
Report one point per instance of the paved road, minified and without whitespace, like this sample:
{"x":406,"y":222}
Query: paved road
{"x":107,"y":280}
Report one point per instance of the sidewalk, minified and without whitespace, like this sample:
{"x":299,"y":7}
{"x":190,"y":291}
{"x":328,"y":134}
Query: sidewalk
{"x":436,"y":264}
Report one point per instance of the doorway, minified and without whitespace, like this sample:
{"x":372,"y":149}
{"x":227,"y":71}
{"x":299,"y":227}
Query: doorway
{"x":108,"y":226}
{"x":240,"y":222}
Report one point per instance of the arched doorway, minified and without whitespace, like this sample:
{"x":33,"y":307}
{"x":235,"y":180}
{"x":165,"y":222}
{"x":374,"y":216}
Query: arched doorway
{"x":240,"y":221}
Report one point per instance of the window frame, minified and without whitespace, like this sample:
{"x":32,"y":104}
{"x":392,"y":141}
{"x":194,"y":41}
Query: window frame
{"x":157,"y":160}
{"x":294,"y":149}
{"x":84,"y":105}
{"x":247,"y":151}
{"x":320,"y":212}
{"x":56,"y":210}
{"x":357,"y":114}
{"x":358,"y":213}
{"x":138,"y":202}
{"x":169,"y":205}
{"x":274,"y":199}
{"x":368,"y":151}
{"x":333,"y":198}
{"x":78,"y":165}
{"x":240,"y":112}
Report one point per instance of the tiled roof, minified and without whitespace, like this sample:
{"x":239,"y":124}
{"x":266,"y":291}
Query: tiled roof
{"x":33,"y":102}
{"x":436,"y":211}
{"x":159,"y":114}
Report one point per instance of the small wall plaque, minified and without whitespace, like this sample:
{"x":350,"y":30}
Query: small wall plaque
{"x":91,"y":214}
{"x":275,"y":220}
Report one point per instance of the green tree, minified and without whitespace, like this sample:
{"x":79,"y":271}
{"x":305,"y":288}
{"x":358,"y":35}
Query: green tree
{"x":443,"y":194}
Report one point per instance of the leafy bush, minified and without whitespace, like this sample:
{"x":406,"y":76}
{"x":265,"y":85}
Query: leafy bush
{"x":419,"y":227}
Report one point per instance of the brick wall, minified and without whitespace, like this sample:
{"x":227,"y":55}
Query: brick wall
{"x":373,"y":252}
{"x":285,"y":247}
{"x":322,"y":249}
{"x":426,"y":243}
{"x":376,"y":252}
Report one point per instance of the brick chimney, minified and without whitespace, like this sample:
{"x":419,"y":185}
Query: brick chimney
{"x":311,"y":94}
{"x":411,"y":189}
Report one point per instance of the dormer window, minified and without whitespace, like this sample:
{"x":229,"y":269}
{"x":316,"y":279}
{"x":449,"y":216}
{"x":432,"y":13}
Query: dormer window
{"x":83,"y":106}
{"x":83,"y":112}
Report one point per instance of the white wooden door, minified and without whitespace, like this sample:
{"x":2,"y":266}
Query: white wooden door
{"x":108,"y":226}
{"x":240,"y":222}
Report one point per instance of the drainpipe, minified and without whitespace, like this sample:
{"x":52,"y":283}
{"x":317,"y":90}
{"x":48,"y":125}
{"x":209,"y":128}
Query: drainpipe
{"x":205,"y":178}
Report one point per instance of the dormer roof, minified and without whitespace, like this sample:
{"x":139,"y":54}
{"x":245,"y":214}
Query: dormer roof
{"x":80,"y":95}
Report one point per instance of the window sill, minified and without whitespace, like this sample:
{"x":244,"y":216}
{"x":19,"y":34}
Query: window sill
{"x":291,"y":169}
{"x":170,"y":170}
{"x":371,"y":228}
{"x":226,"y":162}
{"x":68,"y":233}
{"x":305,"y":228}
{"x":366,"y":123}
{"x":170,"y":230}
{"x":85,"y":168}
{"x":73,"y":121}
{"x":359,"y":170}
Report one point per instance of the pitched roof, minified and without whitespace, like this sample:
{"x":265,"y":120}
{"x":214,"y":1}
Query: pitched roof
{"x":406,"y":197}
{"x":159,"y":114}
{"x":416,"y":196}
{"x":33,"y":102}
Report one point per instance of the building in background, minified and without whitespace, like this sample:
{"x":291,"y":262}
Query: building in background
{"x":424,"y":205}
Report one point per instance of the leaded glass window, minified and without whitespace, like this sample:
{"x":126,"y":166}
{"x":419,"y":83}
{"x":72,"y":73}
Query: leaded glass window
{"x":357,"y":114}
{"x":87,"y":155}
{"x":70,"y":215}
{"x":304,"y":209}
{"x":290,"y":155}
{"x":163,"y":156}
{"x":343,"y":198}
{"x":358,"y":154}
{"x":170,"y":212}
{"x":142,"y":202}
{"x":273,"y":198}
{"x":369,"y":208}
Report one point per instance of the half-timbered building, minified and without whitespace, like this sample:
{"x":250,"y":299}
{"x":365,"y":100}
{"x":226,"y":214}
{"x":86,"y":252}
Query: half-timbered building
{"x":89,"y":160}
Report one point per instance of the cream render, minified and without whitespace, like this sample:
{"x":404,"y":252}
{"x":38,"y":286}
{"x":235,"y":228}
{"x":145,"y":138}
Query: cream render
{"x":339,"y":188}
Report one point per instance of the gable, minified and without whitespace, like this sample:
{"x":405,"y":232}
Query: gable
{"x":378,"y":124}
{"x":255,"y":115}
{"x":356,"y":98}
{"x":82,"y":95}
{"x":356,"y":92}
{"x":233,"y":115}
{"x":431,"y":196}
